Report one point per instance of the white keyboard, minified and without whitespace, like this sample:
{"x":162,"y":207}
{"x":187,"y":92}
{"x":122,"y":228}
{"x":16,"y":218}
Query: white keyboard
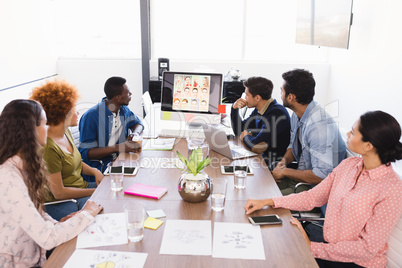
{"x":181,"y":133}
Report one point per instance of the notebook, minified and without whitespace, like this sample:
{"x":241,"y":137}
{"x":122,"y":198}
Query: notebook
{"x":218,"y":142}
{"x":150,"y":191}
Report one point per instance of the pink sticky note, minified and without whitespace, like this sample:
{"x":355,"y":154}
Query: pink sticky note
{"x":189,"y":117}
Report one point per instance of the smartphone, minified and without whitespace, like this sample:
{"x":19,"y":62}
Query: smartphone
{"x":266,"y":219}
{"x":229,"y":169}
{"x":127,"y":170}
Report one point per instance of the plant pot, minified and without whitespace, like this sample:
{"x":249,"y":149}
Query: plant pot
{"x":194,"y":189}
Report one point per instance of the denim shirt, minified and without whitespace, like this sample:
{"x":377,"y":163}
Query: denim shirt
{"x":322,"y":146}
{"x":95,"y":129}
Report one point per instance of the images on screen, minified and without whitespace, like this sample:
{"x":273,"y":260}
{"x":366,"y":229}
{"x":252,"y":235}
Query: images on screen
{"x":191,"y":92}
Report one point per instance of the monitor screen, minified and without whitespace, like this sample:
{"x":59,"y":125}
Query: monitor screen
{"x":190,"y":95}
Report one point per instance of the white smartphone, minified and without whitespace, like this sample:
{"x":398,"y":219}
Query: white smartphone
{"x":229,"y":169}
{"x":266,"y":219}
{"x":131,"y":171}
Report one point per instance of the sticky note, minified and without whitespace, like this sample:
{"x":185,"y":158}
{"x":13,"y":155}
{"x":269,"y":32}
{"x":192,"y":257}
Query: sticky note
{"x":157,"y":213}
{"x":166,"y":115}
{"x":222,"y":109}
{"x":152,"y":223}
{"x":189,"y":117}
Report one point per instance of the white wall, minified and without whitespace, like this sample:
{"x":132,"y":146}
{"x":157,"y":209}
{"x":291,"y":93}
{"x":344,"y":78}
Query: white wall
{"x":368,"y":76}
{"x":27,"y":47}
{"x":90,"y":76}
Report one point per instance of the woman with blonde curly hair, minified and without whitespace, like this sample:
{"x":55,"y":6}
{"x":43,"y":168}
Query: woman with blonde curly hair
{"x":62,"y":158}
{"x":26,"y":230}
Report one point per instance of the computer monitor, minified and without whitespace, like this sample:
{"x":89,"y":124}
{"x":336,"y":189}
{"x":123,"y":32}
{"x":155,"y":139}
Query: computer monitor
{"x":191,"y":97}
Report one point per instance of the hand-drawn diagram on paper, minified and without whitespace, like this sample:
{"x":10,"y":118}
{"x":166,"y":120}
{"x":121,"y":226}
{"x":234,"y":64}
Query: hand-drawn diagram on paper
{"x":185,"y":237}
{"x":237,"y":241}
{"x":87,"y":258}
{"x":108,"y":229}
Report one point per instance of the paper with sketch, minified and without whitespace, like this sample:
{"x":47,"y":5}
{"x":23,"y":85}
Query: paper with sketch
{"x":238,"y":241}
{"x":185,"y":237}
{"x":87,"y":258}
{"x":108,"y":229}
{"x":159,"y":144}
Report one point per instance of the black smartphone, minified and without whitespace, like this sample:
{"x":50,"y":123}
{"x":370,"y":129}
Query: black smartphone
{"x":229,"y":169}
{"x":127,"y":170}
{"x":266,"y":219}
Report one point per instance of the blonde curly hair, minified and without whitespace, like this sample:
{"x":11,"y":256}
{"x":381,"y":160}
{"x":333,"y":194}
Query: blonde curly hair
{"x":57,"y":98}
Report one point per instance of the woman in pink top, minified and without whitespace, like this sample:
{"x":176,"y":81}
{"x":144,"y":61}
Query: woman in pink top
{"x":26,"y":230}
{"x":363,"y":195}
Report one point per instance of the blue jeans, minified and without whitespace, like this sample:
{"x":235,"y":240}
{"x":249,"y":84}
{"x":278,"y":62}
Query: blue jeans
{"x":58,"y":211}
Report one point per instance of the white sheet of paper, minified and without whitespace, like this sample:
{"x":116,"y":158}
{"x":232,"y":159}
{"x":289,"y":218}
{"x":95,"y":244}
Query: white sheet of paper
{"x":238,"y":241}
{"x":161,"y":162}
{"x":87,"y":258}
{"x":186,"y":237}
{"x":108,"y":229}
{"x":159,"y":144}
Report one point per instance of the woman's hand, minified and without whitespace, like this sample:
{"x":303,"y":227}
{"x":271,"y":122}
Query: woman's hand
{"x":98,"y":176}
{"x":92,"y":207}
{"x":300,"y":227}
{"x":253,"y":205}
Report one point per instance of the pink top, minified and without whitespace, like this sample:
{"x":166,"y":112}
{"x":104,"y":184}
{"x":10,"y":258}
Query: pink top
{"x":26,"y":234}
{"x":360,"y":213}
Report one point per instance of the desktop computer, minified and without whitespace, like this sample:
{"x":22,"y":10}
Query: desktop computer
{"x":192,"y":99}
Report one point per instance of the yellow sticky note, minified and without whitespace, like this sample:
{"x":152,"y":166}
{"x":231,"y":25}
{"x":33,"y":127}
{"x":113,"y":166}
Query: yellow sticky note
{"x":152,"y":223}
{"x":166,"y":115}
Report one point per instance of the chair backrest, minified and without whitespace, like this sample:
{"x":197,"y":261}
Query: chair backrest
{"x":75,"y":132}
{"x":394,"y":254}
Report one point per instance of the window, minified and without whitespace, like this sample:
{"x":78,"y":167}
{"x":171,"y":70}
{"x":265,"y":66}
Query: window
{"x":207,"y":29}
{"x":240,"y":30}
{"x":98,"y":28}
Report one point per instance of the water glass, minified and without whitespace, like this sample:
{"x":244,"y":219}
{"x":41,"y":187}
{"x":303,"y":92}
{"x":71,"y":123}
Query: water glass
{"x":135,"y":216}
{"x":116,"y":174}
{"x":240,"y":179}
{"x":194,"y":144}
{"x":218,"y":189}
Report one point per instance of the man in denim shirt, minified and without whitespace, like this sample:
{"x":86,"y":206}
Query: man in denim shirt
{"x":105,"y":128}
{"x":315,"y":141}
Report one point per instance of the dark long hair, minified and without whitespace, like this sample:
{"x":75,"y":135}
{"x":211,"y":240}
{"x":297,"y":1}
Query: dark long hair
{"x":18,"y":136}
{"x":383,"y":132}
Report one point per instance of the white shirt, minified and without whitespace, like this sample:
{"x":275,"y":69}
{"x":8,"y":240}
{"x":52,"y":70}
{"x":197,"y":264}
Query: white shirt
{"x":117,"y":129}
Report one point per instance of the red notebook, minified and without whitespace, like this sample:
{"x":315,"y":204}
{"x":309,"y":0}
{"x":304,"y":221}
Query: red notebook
{"x":150,"y":191}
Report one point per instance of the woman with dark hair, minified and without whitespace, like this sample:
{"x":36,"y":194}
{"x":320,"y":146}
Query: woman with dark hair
{"x":26,"y":230}
{"x":363,"y":195}
{"x":63,"y":160}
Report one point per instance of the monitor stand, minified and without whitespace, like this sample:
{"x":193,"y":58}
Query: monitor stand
{"x":194,"y":125}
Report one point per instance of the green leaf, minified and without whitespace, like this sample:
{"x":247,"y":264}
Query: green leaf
{"x":203,"y":164}
{"x":195,"y":163}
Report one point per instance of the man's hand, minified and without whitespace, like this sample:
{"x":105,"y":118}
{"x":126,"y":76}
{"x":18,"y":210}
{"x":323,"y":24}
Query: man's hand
{"x":243,"y":134}
{"x":279,"y":172}
{"x":130,"y":146}
{"x":240,"y":103}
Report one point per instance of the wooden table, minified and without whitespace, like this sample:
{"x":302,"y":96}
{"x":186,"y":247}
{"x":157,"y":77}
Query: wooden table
{"x":284,"y":245}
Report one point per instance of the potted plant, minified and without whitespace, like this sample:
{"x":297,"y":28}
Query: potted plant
{"x":194,"y":185}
